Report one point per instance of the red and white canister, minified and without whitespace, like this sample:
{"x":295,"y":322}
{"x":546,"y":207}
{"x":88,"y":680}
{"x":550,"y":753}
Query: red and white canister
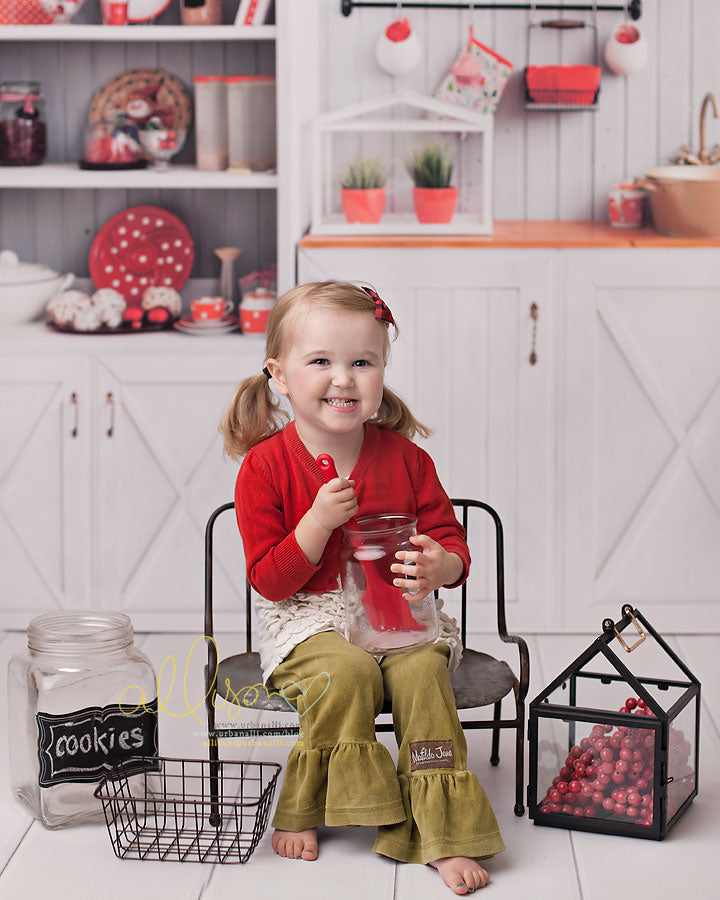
{"x":255,"y":310}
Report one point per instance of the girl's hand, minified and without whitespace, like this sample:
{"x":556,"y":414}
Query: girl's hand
{"x":335,"y":503}
{"x":433,"y":568}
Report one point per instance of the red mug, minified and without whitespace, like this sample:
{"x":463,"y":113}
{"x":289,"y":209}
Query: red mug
{"x":206,"y":308}
{"x":626,"y":206}
{"x":255,"y":311}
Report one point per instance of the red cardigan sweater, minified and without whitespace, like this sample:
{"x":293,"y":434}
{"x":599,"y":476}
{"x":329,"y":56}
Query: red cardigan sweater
{"x":277,"y":484}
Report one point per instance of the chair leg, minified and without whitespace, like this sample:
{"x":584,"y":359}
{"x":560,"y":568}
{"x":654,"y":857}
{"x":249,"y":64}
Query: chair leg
{"x":519,"y":754}
{"x":495,"y":752}
{"x":215,"y":818}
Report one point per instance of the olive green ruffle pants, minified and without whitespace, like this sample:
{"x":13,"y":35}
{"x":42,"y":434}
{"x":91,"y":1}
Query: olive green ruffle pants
{"x":339,"y":774}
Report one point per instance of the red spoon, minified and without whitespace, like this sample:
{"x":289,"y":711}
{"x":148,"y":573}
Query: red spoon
{"x":386,"y":608}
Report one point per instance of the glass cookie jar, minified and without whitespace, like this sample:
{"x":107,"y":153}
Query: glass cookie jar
{"x":81,"y":698}
{"x":378,"y":618}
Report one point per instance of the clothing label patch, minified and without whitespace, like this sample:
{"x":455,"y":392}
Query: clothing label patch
{"x":431,"y":755}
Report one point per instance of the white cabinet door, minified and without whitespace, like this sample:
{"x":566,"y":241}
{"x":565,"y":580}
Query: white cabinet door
{"x":45,"y":537}
{"x":462,"y":364}
{"x":641,"y":426}
{"x":160,"y":472}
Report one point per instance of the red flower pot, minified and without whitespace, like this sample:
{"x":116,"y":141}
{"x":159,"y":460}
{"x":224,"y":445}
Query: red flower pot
{"x":363,"y":205}
{"x":435,"y":205}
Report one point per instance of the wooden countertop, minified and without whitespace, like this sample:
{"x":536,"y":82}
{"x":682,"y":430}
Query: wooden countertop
{"x":521,"y":233}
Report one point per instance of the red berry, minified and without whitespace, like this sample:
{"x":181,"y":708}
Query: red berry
{"x":618,"y":777}
{"x":607,"y":755}
{"x":632,"y":812}
{"x":564,"y":772}
{"x":606,"y":768}
{"x":604,"y":779}
{"x":588,"y":756}
{"x":641,"y":784}
{"x":567,"y":809}
{"x":554,"y":796}
{"x":633,"y":798}
{"x":641,"y":703}
{"x":587,"y":790}
{"x":608,"y":804}
{"x":578,"y":811}
{"x":545,"y":809}
{"x":589,"y":812}
{"x":622,"y":766}
{"x":576,"y":752}
{"x":158,"y":315}
{"x":579,"y":769}
{"x":590,"y":771}
{"x":600,"y":743}
{"x":562,"y":787}
{"x":598,"y":797}
{"x":555,"y":807}
{"x":626,"y":755}
{"x":623,"y":709}
{"x":575,"y":787}
{"x":631,"y":703}
{"x":620,"y":809}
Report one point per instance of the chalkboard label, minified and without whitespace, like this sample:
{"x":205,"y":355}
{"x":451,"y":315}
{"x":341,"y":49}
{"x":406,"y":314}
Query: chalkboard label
{"x":84,"y":745}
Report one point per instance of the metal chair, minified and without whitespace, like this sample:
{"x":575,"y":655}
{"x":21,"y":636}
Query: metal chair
{"x":480,"y":679}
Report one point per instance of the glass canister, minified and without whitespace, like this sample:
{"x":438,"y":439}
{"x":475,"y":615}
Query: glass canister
{"x":23,"y":137}
{"x":211,"y":126}
{"x":251,"y":123}
{"x":378,"y":618}
{"x":81,"y":698}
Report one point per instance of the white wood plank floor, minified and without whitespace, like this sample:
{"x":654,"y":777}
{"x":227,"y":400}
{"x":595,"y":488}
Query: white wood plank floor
{"x":78,"y":863}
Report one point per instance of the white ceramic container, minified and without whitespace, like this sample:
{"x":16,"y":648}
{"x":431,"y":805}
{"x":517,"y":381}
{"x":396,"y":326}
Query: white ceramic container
{"x":25,"y":288}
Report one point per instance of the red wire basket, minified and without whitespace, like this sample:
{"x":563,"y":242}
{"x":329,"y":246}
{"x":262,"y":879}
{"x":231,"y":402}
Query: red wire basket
{"x":562,"y":86}
{"x":187,"y":810}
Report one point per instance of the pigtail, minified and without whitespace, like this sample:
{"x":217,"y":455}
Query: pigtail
{"x":252,"y":415}
{"x":394,"y":415}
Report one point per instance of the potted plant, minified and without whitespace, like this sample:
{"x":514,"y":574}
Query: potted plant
{"x":431,"y":167}
{"x":362,"y":190}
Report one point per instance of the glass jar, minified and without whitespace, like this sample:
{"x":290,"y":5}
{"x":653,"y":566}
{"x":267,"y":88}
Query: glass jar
{"x":201,"y":12}
{"x":81,"y":698}
{"x":251,"y":123}
{"x":211,"y":132}
{"x":23,"y":139}
{"x":377,"y":616}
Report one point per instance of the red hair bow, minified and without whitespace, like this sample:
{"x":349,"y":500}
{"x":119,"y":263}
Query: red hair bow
{"x":382,"y":310}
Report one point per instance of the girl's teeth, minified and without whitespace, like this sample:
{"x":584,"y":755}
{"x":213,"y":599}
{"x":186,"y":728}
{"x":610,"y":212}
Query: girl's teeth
{"x":340,"y":402}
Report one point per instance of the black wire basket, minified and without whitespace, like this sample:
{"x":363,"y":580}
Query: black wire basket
{"x":187,"y":810}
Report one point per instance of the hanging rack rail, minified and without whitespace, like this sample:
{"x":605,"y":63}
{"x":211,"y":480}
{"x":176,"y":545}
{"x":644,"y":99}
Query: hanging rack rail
{"x":633,"y":8}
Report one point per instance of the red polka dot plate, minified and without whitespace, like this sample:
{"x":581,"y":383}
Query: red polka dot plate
{"x":141,"y":247}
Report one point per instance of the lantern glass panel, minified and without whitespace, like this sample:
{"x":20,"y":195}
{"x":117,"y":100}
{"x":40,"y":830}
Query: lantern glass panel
{"x":681,"y":759}
{"x":597,"y":771}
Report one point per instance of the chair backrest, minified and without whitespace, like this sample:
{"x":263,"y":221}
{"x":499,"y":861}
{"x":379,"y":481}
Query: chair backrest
{"x":463,"y":505}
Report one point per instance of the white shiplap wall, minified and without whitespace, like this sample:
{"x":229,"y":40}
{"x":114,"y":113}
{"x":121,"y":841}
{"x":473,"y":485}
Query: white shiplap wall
{"x":551,"y":165}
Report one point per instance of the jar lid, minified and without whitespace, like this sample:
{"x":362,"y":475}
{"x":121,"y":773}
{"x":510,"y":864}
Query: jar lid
{"x":12,"y":271}
{"x":79,"y":631}
{"x":232,"y":79}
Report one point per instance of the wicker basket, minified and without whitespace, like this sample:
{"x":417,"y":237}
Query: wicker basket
{"x":187,"y":810}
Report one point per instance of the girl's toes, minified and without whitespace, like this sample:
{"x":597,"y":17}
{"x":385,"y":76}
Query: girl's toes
{"x":310,"y":851}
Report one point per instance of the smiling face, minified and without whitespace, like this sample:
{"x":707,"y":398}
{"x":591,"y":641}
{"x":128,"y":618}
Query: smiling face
{"x":332,"y":374}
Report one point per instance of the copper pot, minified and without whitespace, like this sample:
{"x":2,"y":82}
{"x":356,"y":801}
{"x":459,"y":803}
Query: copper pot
{"x":684,"y":200}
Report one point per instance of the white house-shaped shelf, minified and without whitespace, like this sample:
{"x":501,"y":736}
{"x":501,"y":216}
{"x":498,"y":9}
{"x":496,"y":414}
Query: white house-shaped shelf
{"x":389,"y":129}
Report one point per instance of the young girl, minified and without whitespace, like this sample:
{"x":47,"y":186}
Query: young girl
{"x":326,"y":351}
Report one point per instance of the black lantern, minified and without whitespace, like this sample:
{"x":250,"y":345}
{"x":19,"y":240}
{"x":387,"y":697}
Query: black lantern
{"x":613,"y":751}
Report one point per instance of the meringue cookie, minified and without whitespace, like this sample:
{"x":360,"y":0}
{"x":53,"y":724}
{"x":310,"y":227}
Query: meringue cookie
{"x":110,"y":305}
{"x":87,"y":319}
{"x":158,"y":295}
{"x":63,"y":306}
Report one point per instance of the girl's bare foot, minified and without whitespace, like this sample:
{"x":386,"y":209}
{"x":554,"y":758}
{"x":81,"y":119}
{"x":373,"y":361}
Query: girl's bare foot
{"x":296,"y":844}
{"x":461,"y":874}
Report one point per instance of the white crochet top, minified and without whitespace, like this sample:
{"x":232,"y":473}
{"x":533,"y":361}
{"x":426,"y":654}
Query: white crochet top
{"x":286,"y":623}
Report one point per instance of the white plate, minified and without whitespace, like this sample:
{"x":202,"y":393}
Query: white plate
{"x":220,"y":329}
{"x":208,"y":324}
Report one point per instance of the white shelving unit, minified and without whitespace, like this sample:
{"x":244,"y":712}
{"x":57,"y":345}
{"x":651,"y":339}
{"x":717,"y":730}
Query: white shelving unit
{"x":69,"y":175}
{"x":137,"y":33}
{"x":295,"y":40}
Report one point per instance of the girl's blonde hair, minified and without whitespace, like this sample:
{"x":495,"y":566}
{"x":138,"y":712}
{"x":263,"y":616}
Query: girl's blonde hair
{"x":254,"y":413}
